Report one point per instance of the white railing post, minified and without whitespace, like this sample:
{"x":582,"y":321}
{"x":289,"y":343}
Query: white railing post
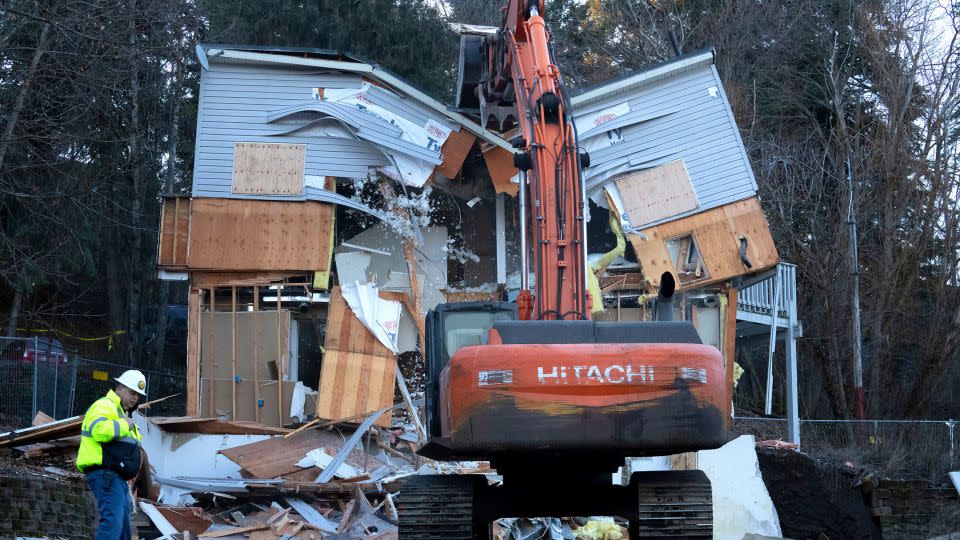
{"x":768,"y":405}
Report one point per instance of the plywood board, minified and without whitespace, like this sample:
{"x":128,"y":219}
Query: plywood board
{"x":277,"y":456}
{"x":174,"y":232}
{"x":268,"y":169}
{"x":216,"y":357}
{"x":501,"y":169}
{"x":659,"y":193}
{"x":747,"y":218}
{"x":454,"y":151}
{"x":257,"y":236}
{"x":717,"y":233}
{"x":352,"y":384}
{"x":346,"y":333}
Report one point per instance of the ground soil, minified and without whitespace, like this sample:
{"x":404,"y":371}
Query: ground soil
{"x":815,"y":498}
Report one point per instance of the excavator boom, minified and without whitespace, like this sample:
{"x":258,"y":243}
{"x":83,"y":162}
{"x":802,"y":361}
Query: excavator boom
{"x":521,"y":71}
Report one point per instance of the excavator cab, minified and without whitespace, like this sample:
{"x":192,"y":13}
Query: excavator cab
{"x":449,"y":328}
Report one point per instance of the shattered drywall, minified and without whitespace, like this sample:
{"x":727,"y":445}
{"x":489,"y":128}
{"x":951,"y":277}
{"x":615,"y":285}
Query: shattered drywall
{"x":377,"y":255}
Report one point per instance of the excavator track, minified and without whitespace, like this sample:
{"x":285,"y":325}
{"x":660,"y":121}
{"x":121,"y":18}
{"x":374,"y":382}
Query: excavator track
{"x":439,"y":507}
{"x":673,"y":504}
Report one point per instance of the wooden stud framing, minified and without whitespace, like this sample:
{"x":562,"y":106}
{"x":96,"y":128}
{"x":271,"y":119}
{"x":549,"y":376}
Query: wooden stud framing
{"x":279,"y":356}
{"x":730,"y":346}
{"x":213,"y":347}
{"x":176,"y":227}
{"x":233,"y":350}
{"x":256,"y":352}
{"x":417,"y":299}
{"x":194,"y":306}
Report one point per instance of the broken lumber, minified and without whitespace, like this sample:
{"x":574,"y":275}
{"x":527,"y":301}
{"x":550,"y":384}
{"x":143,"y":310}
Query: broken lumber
{"x":274,"y":457}
{"x":190,"y":424}
{"x":45,"y":432}
{"x":158,"y":520}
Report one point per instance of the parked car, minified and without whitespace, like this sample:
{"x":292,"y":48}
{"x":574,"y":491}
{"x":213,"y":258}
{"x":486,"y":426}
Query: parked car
{"x":40,"y":349}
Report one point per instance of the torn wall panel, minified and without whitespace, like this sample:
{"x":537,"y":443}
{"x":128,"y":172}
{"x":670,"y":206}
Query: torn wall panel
{"x":348,"y":125}
{"x":675,"y":110}
{"x":455,"y":150}
{"x":387,"y":260}
{"x":716,"y":235}
{"x":500,"y":165}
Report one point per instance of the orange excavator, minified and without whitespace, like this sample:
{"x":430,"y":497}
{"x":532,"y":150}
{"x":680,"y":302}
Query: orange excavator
{"x":554,"y":400}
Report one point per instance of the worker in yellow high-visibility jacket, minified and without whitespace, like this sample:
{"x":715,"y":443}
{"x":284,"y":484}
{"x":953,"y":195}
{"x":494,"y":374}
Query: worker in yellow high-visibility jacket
{"x":109,"y":453}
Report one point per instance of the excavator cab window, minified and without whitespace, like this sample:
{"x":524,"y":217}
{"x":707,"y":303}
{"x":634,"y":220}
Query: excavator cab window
{"x":451,"y":327}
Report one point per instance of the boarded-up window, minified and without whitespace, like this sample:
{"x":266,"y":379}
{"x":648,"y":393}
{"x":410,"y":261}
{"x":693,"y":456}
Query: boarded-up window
{"x":658,"y":193}
{"x":268,"y":169}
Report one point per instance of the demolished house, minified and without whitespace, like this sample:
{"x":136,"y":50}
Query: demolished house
{"x":334,"y":205}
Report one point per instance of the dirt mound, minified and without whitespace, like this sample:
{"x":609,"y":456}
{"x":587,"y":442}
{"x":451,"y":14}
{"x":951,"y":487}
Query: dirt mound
{"x":814,"y":497}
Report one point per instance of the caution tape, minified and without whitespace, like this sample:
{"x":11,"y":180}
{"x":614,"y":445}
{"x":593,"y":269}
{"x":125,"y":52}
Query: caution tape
{"x":108,"y":338}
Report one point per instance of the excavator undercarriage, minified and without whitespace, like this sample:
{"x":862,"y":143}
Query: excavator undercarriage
{"x":674,"y":504}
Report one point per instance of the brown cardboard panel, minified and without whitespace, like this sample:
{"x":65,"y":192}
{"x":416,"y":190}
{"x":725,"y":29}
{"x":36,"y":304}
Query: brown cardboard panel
{"x":268,"y":168}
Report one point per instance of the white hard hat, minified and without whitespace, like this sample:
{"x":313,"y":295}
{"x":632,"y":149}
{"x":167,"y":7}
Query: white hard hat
{"x":134,"y":380}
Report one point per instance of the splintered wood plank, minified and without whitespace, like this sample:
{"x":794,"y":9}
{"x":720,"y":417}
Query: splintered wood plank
{"x":275,"y":457}
{"x":346,"y":333}
{"x":260,"y":236}
{"x":268,"y":169}
{"x":352,"y":384}
{"x":454,"y":151}
{"x":659,"y":193}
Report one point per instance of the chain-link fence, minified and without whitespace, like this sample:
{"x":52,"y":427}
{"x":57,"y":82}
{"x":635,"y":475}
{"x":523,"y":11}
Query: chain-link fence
{"x":38,"y":375}
{"x":895,"y":448}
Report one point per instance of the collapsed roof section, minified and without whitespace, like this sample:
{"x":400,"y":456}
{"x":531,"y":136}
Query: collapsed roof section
{"x":667,"y":160}
{"x":673,"y":111}
{"x":343,"y":117}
